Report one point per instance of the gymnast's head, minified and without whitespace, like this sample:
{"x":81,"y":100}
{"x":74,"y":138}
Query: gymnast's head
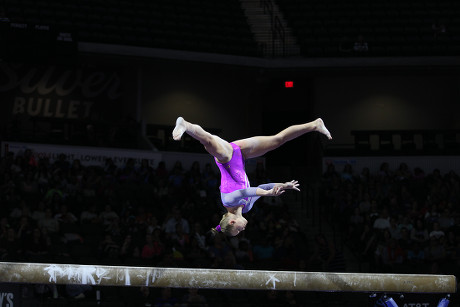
{"x":231,"y":224}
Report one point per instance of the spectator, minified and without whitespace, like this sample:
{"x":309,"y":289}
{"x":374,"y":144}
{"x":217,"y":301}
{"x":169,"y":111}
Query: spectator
{"x":193,"y":299}
{"x":244,"y":253}
{"x":346,"y":45}
{"x":438,"y":29}
{"x":49,"y":222}
{"x":180,"y":240}
{"x":264,"y":250}
{"x":11,"y":247}
{"x":129,"y":250}
{"x":89,"y":215}
{"x":419,"y":233}
{"x":383,"y":221}
{"x":360,"y":46}
{"x":166,"y":299}
{"x":176,"y":218}
{"x":416,"y":257}
{"x":153,"y":248}
{"x":392,"y":256}
{"x":37,"y":245}
{"x":330,"y":257}
{"x":39,"y":212}
{"x":108,"y":216}
{"x":435,"y":251}
{"x":436,"y":232}
{"x":64,"y":216}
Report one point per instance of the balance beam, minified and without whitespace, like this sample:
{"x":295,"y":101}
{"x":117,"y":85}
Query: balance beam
{"x":103,"y":275}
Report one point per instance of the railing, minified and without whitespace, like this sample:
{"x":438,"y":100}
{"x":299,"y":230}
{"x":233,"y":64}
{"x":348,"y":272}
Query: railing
{"x":277,"y":29}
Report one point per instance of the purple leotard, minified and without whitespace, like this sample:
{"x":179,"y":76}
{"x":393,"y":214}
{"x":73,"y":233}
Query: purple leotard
{"x":233,"y":174}
{"x":235,"y":189}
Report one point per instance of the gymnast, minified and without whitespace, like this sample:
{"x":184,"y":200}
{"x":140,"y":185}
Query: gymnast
{"x":237,"y":195}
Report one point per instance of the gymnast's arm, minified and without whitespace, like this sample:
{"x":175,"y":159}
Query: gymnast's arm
{"x":278,"y":188}
{"x":268,"y":189}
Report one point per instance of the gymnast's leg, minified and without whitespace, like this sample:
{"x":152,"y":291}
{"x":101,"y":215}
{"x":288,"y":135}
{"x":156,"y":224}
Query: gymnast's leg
{"x":259,"y":145}
{"x":214,"y":145}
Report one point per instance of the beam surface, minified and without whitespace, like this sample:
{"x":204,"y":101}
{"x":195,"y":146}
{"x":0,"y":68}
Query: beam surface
{"x":48,"y":273}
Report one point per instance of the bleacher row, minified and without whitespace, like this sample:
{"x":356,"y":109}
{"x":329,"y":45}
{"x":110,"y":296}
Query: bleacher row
{"x":391,"y":28}
{"x":194,"y":25}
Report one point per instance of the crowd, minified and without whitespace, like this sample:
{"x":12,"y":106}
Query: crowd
{"x":402,"y":220}
{"x":61,"y":211}
{"x":64,"y":212}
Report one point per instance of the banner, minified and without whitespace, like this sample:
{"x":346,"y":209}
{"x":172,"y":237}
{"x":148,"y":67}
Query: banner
{"x":87,"y":155}
{"x":10,"y":295}
{"x":33,"y":97}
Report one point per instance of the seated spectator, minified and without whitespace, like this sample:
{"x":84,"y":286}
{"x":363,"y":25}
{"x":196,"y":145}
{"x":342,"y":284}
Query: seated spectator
{"x":108,"y":216}
{"x":219,"y":247}
{"x":436,"y":233}
{"x":263,"y":250}
{"x":383,"y":221}
{"x":347,"y":173}
{"x":199,"y":236}
{"x":78,"y":292}
{"x":405,"y":222}
{"x":345,"y":45}
{"x":405,"y":241}
{"x":180,"y":239}
{"x":438,"y":28}
{"x":152,"y":224}
{"x":193,"y":299}
{"x":446,"y":221}
{"x":392,"y":256}
{"x":195,"y":255}
{"x":435,"y":251}
{"x":37,"y":245}
{"x":394,"y":229}
{"x":10,"y":247}
{"x":24,"y":228}
{"x":356,"y":223}
{"x":403,"y":172}
{"x":39,"y":212}
{"x":64,"y":216}
{"x":365,"y":204}
{"x":177,"y":176}
{"x":89,"y":215}
{"x":326,"y":252}
{"x":108,"y":248}
{"x":4,"y":226}
{"x":153,"y":248}
{"x":49,"y":223}
{"x":129,"y":250}
{"x":419,"y":233}
{"x":360,"y":46}
{"x":416,"y":255}
{"x":176,"y":218}
{"x":166,"y":299}
{"x":244,"y":252}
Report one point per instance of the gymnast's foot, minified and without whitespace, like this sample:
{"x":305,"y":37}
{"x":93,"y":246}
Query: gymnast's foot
{"x":321,"y":128}
{"x":179,"y":129}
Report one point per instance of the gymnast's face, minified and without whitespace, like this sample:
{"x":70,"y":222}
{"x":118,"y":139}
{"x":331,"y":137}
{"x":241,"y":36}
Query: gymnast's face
{"x":239,"y":224}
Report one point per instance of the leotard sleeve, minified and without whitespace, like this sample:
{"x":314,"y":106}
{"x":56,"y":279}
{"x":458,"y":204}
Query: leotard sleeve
{"x":245,"y":197}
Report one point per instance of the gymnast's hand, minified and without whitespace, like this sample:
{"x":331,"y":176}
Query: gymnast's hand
{"x":290,"y":185}
{"x":279,"y":188}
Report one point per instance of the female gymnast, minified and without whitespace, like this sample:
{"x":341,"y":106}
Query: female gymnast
{"x":237,"y":195}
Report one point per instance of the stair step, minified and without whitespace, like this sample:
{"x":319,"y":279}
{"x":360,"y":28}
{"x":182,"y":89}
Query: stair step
{"x":261,"y":26}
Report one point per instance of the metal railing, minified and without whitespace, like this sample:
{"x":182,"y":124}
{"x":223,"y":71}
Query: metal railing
{"x":278,"y":32}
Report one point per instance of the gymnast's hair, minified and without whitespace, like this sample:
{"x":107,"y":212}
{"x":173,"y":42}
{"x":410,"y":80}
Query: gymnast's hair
{"x":224,"y":226}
